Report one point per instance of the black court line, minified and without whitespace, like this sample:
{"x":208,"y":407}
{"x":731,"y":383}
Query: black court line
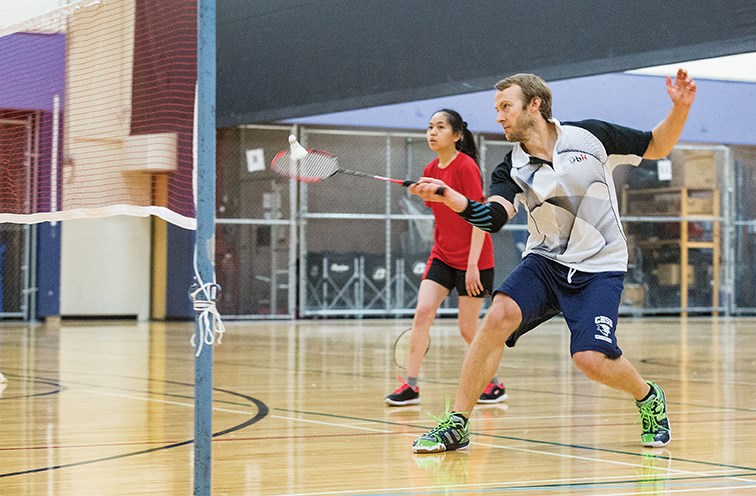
{"x":262,"y":412}
{"x":57,"y":387}
{"x":612,"y":395}
{"x":529,"y":441}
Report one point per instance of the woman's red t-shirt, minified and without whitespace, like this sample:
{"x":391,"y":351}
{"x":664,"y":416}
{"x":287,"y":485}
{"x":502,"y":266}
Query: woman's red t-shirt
{"x":451,"y":234}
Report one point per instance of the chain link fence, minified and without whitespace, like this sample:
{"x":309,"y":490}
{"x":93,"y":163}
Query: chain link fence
{"x":255,"y":233}
{"x":676,"y":218}
{"x":741,"y":233}
{"x":364,"y":243}
{"x":357,"y":247}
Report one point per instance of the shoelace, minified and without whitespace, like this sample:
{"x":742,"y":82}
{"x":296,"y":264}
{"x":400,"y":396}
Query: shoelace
{"x":403,"y":386}
{"x":489,"y":389}
{"x":444,"y":423}
{"x":648,"y":420}
{"x":648,"y":415}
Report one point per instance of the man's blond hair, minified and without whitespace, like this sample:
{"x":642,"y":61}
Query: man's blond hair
{"x":532,"y":86}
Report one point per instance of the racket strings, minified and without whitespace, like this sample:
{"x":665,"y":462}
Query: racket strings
{"x":313,"y":167}
{"x":401,"y":349}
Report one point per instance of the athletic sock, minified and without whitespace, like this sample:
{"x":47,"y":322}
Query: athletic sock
{"x":646,"y":398}
{"x":412,"y":382}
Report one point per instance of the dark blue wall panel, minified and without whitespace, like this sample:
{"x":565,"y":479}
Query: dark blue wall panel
{"x":180,"y":273}
{"x":48,"y":269}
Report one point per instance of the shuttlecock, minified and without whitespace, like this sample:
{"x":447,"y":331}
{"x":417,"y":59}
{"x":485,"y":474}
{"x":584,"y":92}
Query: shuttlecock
{"x":298,"y":152}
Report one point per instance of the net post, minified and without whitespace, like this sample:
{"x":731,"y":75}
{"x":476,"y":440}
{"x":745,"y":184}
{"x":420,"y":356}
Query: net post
{"x":205,"y":237}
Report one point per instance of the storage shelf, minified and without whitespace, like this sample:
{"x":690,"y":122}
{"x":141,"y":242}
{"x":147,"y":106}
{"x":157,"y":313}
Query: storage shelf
{"x":680,"y":202}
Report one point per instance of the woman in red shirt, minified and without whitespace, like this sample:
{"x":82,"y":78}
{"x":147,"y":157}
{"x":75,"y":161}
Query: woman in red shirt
{"x":461,"y":258}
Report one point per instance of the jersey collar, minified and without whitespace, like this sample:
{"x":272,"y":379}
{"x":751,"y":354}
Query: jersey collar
{"x":520,"y":159}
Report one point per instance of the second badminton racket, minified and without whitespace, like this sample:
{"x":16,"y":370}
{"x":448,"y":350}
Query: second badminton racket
{"x":312,"y":166}
{"x":402,"y":346}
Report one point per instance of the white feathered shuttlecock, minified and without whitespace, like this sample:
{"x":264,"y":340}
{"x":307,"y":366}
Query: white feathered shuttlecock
{"x":298,"y":152}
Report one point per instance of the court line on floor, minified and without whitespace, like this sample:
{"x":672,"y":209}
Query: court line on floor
{"x":167,"y":402}
{"x":358,"y":427}
{"x":331,"y":424}
{"x":496,"y":446}
{"x":611,"y":462}
{"x":549,"y":485}
{"x":262,"y":412}
{"x":525,"y":440}
{"x":721,"y":473}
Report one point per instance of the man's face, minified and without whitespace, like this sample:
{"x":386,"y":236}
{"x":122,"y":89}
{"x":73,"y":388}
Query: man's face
{"x":512,"y":114}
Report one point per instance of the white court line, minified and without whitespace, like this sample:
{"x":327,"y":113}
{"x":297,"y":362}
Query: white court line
{"x":527,"y":486}
{"x":509,"y":418}
{"x":611,"y":462}
{"x":226,"y":410}
{"x":532,"y":484}
{"x":331,"y":424}
{"x":461,"y":486}
{"x":167,"y":402}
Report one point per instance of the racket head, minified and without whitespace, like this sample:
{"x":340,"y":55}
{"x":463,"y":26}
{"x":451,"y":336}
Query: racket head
{"x":402,"y":347}
{"x":313,"y":167}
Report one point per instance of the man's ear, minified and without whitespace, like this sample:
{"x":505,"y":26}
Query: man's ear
{"x":535,"y":103}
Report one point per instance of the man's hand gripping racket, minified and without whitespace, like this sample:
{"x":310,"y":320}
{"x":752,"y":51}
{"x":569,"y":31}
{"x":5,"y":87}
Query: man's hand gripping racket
{"x":313,"y":166}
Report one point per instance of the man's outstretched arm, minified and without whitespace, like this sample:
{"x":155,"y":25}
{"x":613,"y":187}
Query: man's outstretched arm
{"x":682,"y":92}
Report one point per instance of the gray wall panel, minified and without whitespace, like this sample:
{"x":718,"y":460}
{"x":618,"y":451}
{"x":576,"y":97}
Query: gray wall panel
{"x":280,"y":59}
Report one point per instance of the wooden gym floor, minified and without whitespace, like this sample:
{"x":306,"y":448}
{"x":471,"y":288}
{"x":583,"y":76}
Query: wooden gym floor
{"x":106,"y":408}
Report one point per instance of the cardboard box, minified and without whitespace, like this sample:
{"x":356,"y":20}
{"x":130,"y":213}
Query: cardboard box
{"x":668,"y":203}
{"x":634,"y":295}
{"x":669,"y":274}
{"x":694,"y":169}
{"x":660,"y":204}
{"x":700,"y":205}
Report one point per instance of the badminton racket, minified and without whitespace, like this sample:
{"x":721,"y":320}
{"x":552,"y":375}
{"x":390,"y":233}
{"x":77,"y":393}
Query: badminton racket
{"x":401,"y":349}
{"x":313,"y":166}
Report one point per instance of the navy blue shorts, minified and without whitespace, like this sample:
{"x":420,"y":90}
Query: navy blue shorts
{"x":450,"y":278}
{"x":589,"y":302}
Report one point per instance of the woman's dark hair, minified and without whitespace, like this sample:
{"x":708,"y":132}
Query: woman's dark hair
{"x":467,"y":143}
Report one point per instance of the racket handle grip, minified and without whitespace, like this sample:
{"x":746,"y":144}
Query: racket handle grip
{"x":440,"y":191}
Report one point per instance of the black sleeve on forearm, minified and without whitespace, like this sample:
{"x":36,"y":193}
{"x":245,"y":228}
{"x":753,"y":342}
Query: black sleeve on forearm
{"x":489,"y":217}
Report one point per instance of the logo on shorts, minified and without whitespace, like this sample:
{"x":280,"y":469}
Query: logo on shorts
{"x":604,"y":326}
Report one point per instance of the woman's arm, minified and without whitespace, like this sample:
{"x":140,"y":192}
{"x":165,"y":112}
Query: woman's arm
{"x":472,"y":275}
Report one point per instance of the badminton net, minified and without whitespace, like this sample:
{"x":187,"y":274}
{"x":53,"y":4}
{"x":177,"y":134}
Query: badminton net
{"x":97,"y":112}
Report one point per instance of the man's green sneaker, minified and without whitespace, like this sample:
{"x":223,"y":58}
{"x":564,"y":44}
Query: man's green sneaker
{"x":451,"y":434}
{"x":653,"y":413}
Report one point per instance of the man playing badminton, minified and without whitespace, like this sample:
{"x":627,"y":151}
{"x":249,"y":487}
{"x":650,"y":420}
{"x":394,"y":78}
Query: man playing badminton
{"x":576,"y":255}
